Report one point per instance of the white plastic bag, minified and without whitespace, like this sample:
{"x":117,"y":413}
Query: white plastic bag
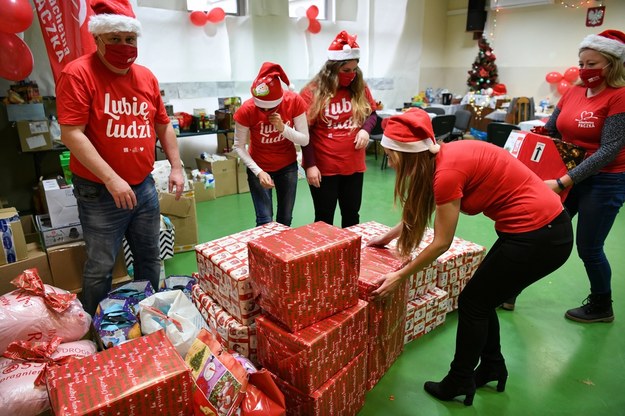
{"x":173,"y":311}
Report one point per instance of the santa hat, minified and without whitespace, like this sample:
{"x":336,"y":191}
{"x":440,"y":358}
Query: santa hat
{"x":343,"y":48}
{"x":500,"y":89}
{"x":609,"y":41}
{"x":409,"y":132}
{"x":267,"y":88}
{"x":113,"y":16}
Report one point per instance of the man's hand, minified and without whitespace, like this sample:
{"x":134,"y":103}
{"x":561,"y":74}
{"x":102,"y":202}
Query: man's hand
{"x":122,"y":193}
{"x":176,"y":181}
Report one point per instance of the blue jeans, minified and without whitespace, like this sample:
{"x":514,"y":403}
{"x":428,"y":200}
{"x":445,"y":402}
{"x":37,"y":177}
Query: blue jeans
{"x":597,"y":200}
{"x":285,"y":181}
{"x":104,"y":226}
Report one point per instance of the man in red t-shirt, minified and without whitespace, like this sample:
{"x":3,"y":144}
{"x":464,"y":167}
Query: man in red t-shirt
{"x":111,"y":114}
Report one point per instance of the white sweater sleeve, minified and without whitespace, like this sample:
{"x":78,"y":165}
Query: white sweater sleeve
{"x":299,"y":134}
{"x":241,"y":135}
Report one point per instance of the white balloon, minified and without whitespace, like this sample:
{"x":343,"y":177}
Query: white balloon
{"x":210,"y":29}
{"x":300,"y":12}
{"x":302,"y":23}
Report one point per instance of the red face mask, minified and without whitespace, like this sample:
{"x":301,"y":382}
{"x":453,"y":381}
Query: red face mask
{"x":120,"y":56}
{"x":591,"y":77}
{"x":346,"y":78}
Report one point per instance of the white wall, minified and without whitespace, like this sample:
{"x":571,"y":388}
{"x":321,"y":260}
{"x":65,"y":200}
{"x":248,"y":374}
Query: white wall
{"x":407,"y":46}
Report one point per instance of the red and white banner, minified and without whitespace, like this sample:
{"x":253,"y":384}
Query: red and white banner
{"x":64,"y":28}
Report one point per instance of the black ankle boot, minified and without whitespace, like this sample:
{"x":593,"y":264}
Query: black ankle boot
{"x":448,"y":389}
{"x":508,"y":304}
{"x":595,"y":308}
{"x":487,"y":372}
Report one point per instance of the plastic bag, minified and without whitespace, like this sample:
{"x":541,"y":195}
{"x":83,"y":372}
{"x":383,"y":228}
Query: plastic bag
{"x":263,"y":397}
{"x":38,"y":312}
{"x":173,"y":311}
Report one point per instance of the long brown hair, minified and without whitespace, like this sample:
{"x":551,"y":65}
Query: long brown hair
{"x":414,"y":190}
{"x":324,"y":86}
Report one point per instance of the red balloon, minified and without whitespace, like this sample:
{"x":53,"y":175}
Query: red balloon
{"x":216,"y":15}
{"x":312,"y":12}
{"x":553,"y":77}
{"x":314,"y":26}
{"x":198,"y":18}
{"x":16,"y":60}
{"x":571,"y":74}
{"x":16,"y":15}
{"x":563,"y":86}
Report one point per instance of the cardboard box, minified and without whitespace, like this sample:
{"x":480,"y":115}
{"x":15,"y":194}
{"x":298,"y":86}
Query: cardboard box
{"x":37,"y":259}
{"x":13,"y":244}
{"x":225,"y":141}
{"x":183,"y":215}
{"x":61,"y":203}
{"x":202,"y":193}
{"x":20,"y":112}
{"x":54,"y":236}
{"x":242,"y":185}
{"x":31,"y":233}
{"x":67,"y":262}
{"x":34,"y":135}
{"x":224,"y":172}
{"x":144,"y":376}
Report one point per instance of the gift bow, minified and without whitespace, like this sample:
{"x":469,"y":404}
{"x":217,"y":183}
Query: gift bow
{"x":38,"y":352}
{"x":30,"y":281}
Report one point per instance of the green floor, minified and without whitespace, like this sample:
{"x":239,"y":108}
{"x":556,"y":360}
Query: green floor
{"x":557,"y":367}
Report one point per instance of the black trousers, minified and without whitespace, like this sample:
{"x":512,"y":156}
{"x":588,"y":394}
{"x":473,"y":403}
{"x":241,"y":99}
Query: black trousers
{"x":344,"y":189}
{"x":513,"y":263}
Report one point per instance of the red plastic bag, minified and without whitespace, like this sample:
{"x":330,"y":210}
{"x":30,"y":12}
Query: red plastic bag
{"x":262,"y":398}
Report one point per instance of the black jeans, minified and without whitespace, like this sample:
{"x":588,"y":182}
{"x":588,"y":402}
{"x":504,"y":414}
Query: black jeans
{"x":513,"y":263}
{"x":347,"y":190}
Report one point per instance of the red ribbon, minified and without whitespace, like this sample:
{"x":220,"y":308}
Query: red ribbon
{"x":30,"y":282}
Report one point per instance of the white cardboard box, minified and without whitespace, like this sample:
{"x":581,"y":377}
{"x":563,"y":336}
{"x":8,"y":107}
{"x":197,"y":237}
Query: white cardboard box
{"x":62,"y":205}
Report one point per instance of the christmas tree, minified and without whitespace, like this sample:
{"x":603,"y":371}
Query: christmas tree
{"x":483,"y":74}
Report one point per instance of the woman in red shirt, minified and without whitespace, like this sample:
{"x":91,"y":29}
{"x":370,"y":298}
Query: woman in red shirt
{"x":272,"y":122}
{"x":534,"y":235}
{"x":341,"y":114}
{"x":592,"y":116}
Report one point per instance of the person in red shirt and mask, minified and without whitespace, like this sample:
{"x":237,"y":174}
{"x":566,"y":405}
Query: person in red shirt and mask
{"x":341,"y":114}
{"x":591,"y":114}
{"x":534,"y":232}
{"x":272,"y":122}
{"x":111,"y":114}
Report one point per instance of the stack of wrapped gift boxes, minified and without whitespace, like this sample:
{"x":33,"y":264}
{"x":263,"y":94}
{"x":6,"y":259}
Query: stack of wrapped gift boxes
{"x":223,"y":294}
{"x":311,"y":332}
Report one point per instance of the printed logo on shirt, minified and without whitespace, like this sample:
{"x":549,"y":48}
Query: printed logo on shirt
{"x":268,"y":133}
{"x":119,"y":113}
{"x":333,"y":114}
{"x":586,"y":120}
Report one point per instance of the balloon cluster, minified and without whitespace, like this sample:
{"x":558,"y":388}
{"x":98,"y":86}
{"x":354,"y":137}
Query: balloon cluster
{"x":16,"y":59}
{"x":214,"y":16}
{"x":563,"y":81}
{"x":307,"y":20}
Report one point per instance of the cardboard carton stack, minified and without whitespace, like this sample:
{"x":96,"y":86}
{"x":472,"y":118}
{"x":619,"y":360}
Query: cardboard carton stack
{"x":310,"y":335}
{"x":223,"y":294}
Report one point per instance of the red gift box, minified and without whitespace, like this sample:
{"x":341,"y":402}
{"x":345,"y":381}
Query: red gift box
{"x":386,"y":315}
{"x":145,"y":376}
{"x":305,"y":274}
{"x":308,"y":358}
{"x":343,"y":394}
{"x":232,"y":334}
{"x":224,"y":274}
{"x":539,"y":153}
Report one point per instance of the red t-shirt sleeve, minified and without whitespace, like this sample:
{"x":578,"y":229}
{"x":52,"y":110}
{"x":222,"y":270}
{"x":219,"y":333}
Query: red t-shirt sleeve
{"x":73,"y":100}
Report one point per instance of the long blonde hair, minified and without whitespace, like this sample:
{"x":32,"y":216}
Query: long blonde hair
{"x":414,"y":190}
{"x":324,"y":86}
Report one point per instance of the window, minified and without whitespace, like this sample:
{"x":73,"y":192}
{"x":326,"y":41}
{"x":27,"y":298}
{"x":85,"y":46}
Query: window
{"x":232,"y":7}
{"x":297,"y":8}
